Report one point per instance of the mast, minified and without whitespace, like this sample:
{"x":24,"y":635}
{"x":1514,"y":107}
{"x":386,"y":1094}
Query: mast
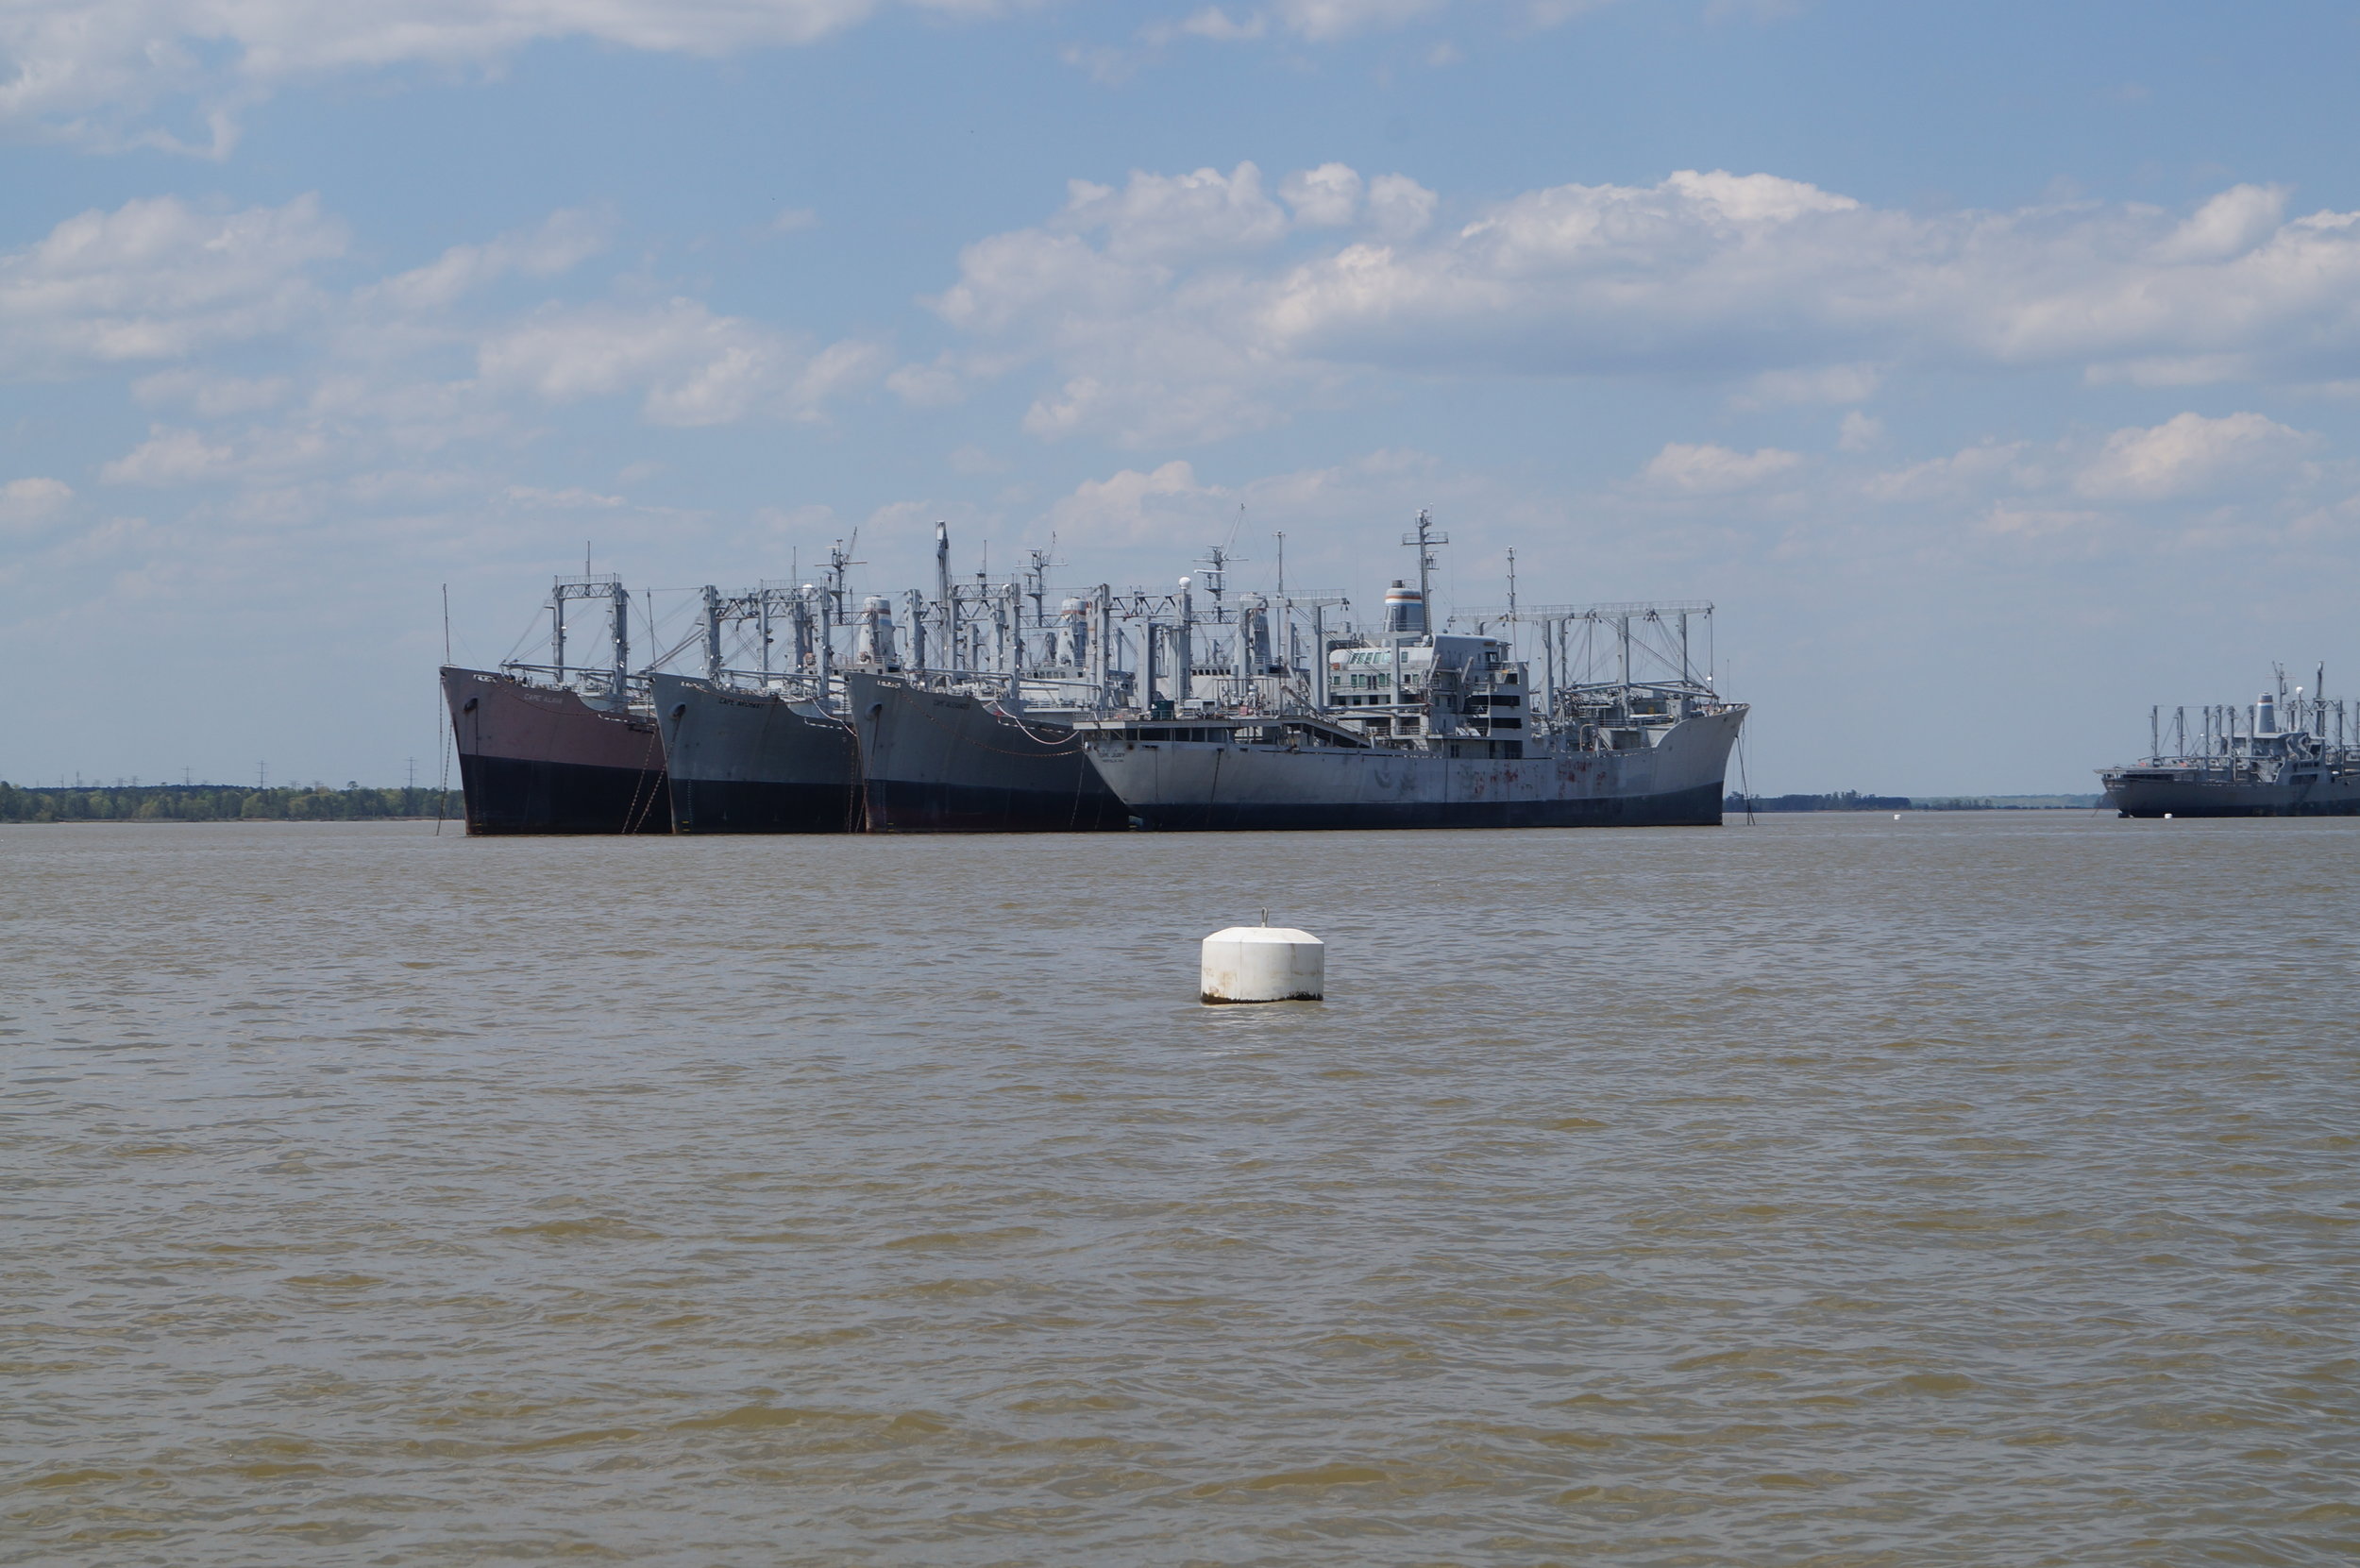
{"x":1319,"y":655}
{"x":823,"y":637}
{"x":1183,"y":649}
{"x":946,"y":599}
{"x":713,"y":634}
{"x":1423,"y":542}
{"x":1101,"y":632}
{"x":623,"y":635}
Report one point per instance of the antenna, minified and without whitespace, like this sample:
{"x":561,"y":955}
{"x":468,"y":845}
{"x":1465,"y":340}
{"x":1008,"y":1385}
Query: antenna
{"x":1216,"y":574}
{"x":1512,"y":585}
{"x":1282,"y":566}
{"x":1423,"y":542}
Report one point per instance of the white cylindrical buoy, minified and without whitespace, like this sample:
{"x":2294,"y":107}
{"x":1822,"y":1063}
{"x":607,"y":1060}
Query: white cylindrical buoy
{"x":1263,"y":963}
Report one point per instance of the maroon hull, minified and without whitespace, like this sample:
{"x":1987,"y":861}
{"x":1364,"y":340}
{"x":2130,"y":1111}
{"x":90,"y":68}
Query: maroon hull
{"x":536,"y":759}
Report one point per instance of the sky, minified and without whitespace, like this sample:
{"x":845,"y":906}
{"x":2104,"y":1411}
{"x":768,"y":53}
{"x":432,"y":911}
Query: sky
{"x":1993,"y":368}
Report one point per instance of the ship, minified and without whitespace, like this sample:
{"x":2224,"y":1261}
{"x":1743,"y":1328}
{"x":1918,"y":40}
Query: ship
{"x":553,"y":749}
{"x":935,"y":758}
{"x":2285,"y":754}
{"x":1419,"y":728}
{"x":540,"y":759}
{"x":755,"y":760}
{"x":981,"y":737}
{"x":763,"y":751}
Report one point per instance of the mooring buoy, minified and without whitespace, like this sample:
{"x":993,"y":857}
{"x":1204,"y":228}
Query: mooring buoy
{"x":1262,"y":963}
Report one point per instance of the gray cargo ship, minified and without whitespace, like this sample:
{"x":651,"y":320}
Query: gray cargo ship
{"x":765,"y":750}
{"x":935,"y":760}
{"x":979,"y":736}
{"x":1426,"y":729}
{"x":2240,"y":762}
{"x":755,"y":761}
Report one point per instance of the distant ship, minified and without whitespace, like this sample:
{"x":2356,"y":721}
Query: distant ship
{"x":1422,"y":729}
{"x":2241,"y":762}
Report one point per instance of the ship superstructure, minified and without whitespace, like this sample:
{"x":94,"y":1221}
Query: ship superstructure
{"x":2285,"y":754}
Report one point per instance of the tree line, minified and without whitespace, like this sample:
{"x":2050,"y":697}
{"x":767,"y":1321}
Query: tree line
{"x":221,"y":803}
{"x":1848,"y":801}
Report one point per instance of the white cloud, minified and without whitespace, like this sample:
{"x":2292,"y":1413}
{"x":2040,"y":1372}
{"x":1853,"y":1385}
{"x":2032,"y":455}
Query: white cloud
{"x":210,"y":396}
{"x":1212,"y":24}
{"x":926,"y":386}
{"x":2192,"y":477}
{"x":2229,"y":225}
{"x":1327,"y":196}
{"x":1858,"y":432}
{"x":1199,"y":293}
{"x":169,"y":456}
{"x":1102,"y":62}
{"x":1712,"y":470}
{"x":1170,"y":508}
{"x":1326,"y":20}
{"x":691,"y":366}
{"x":1135,"y":506}
{"x":1399,"y":206}
{"x":2185,"y":455}
{"x":1971,"y":472}
{"x":26,"y":503}
{"x":157,"y":280}
{"x":561,"y":241}
{"x":91,"y":69}
{"x":1177,"y":218}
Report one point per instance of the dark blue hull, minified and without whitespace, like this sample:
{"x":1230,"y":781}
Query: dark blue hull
{"x":1698,"y":807}
{"x":1076,"y":804}
{"x":719,"y":805}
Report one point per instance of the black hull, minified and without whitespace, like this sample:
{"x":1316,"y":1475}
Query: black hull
{"x":1085,"y":805}
{"x":2205,"y":808}
{"x":1698,"y":807}
{"x":507,"y":795}
{"x":722,"y":805}
{"x":2309,"y":795}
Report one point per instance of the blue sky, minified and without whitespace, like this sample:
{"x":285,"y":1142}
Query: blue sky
{"x":1993,"y":367}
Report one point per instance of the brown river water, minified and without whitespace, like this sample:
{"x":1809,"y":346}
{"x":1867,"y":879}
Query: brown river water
{"x":1969,"y":1189}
